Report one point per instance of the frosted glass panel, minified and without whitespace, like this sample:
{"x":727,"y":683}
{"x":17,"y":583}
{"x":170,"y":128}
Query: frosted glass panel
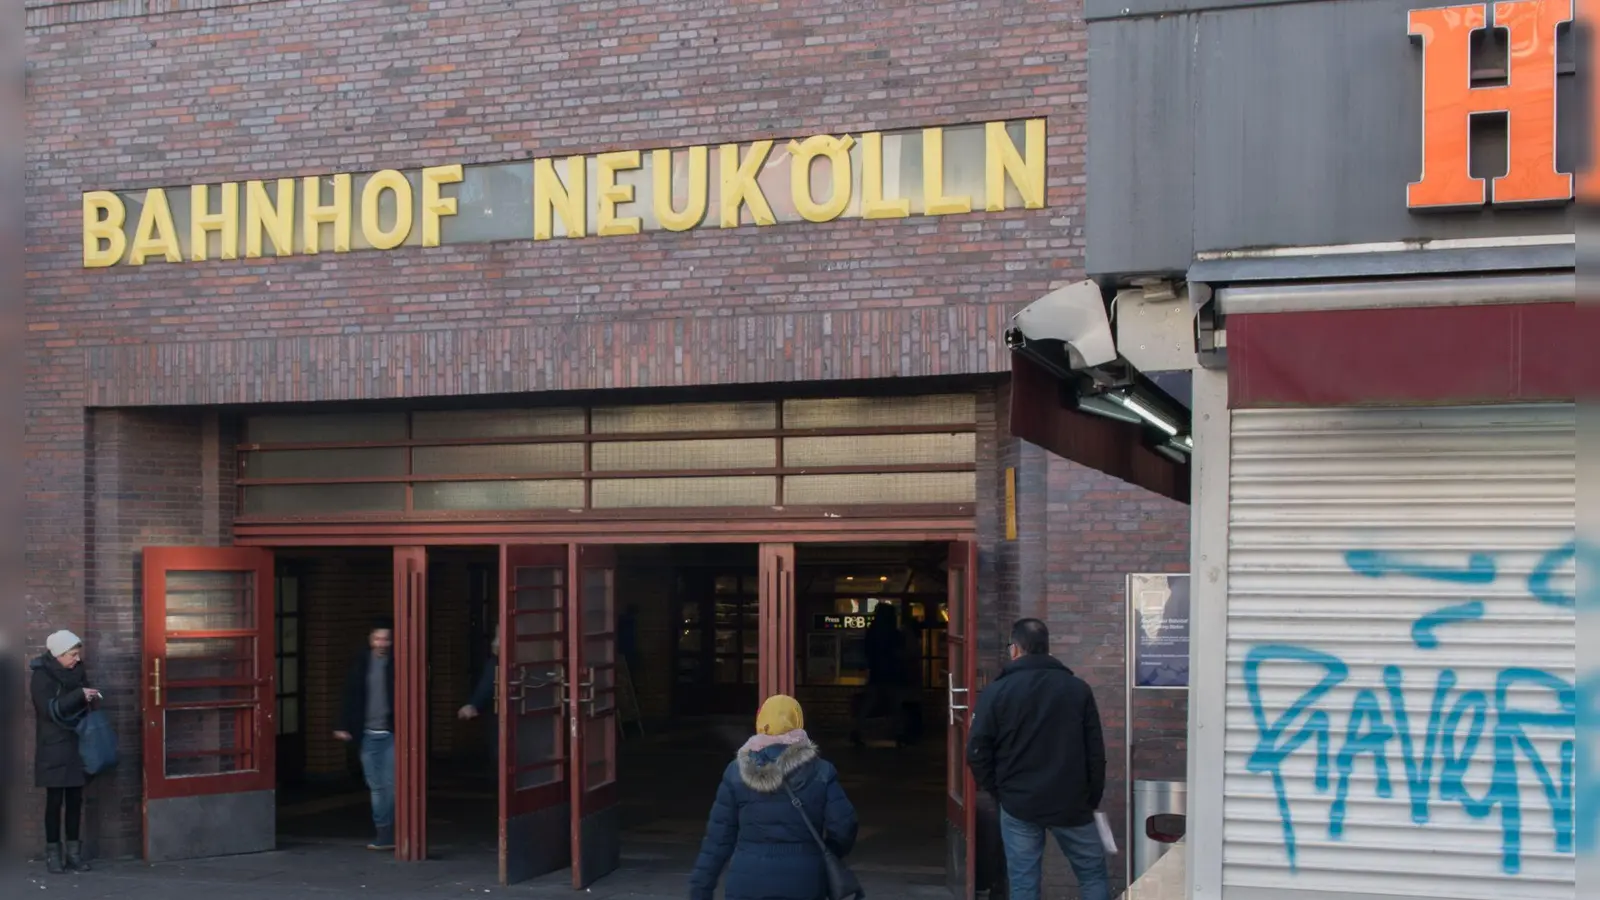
{"x":644,"y":493}
{"x":656,"y":456}
{"x":481,"y":495}
{"x":489,"y":423}
{"x":882,"y":449}
{"x":903,"y":487}
{"x":326,"y":428}
{"x":304,"y":499}
{"x":685,"y":417}
{"x":880,"y":412}
{"x":498,"y":459}
{"x":324,"y":463}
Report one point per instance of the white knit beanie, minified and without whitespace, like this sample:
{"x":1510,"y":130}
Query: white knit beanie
{"x":61,"y":642}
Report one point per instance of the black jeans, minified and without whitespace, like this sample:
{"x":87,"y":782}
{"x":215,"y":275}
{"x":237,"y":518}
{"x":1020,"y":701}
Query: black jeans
{"x":54,"y":800}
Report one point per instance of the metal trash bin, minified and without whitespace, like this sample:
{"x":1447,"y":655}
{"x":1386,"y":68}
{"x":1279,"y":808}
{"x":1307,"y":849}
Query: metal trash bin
{"x":1152,"y":799}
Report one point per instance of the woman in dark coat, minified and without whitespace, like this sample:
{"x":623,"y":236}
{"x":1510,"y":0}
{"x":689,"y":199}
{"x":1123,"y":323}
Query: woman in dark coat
{"x":59,"y":678}
{"x":756,"y":834}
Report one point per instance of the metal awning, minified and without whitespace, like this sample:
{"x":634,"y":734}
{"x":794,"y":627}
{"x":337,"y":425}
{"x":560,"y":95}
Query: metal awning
{"x":1074,"y":394}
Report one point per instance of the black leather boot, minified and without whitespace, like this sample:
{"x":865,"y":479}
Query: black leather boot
{"x":52,"y":859}
{"x":74,"y":858}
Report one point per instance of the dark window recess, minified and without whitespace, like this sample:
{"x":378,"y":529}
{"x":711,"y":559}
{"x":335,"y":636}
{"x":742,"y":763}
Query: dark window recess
{"x":289,"y":656}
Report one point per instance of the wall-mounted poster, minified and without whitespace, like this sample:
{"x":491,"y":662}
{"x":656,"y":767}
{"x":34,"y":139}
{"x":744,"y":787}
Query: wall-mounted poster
{"x":1158,"y":622}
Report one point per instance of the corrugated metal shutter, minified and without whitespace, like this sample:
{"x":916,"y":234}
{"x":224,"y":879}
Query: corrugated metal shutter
{"x":1400,"y":654}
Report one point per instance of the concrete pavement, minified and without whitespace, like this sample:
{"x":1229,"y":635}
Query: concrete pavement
{"x":317,"y":871}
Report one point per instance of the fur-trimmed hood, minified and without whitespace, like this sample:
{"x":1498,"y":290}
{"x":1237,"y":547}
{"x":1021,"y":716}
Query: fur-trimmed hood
{"x":764,"y":771}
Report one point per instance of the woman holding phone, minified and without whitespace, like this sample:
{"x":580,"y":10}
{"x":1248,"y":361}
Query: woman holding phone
{"x":61,"y":693}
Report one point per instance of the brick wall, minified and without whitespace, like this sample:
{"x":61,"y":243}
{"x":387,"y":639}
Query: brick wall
{"x":276,"y":89}
{"x":154,"y":477}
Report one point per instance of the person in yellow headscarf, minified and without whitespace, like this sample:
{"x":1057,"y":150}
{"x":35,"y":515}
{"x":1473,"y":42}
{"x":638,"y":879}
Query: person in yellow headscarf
{"x":755,"y":832}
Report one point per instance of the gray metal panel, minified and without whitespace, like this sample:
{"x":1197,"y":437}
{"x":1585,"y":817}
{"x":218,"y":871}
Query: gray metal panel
{"x":1096,"y":10}
{"x":538,"y":843}
{"x":601,"y":834}
{"x":1141,"y":109}
{"x":1382,"y":264}
{"x":1280,"y":125}
{"x":1309,"y":129}
{"x":1411,"y":293}
{"x":218,"y":825}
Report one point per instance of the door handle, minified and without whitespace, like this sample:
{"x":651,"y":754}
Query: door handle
{"x":155,"y":681}
{"x":954,"y":706}
{"x":588,"y":690}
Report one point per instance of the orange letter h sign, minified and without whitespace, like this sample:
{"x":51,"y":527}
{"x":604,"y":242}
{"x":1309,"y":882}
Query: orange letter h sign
{"x":1528,"y":98}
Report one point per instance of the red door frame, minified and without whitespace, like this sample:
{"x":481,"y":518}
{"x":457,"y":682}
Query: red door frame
{"x":410,"y":660}
{"x":592,"y":708}
{"x":777,"y":672}
{"x":526,"y":849}
{"x":258,"y":735}
{"x":776,"y":617}
{"x":961,"y":788}
{"x":158,"y":561}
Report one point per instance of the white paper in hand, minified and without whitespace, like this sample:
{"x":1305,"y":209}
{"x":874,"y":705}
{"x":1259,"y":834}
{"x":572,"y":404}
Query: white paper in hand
{"x":1106,"y":838}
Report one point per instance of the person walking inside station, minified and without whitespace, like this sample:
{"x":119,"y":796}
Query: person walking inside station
{"x":778,"y":804}
{"x":481,"y":703}
{"x":1037,"y":748}
{"x":886,"y":676}
{"x":369,"y":712}
{"x":60,"y":690}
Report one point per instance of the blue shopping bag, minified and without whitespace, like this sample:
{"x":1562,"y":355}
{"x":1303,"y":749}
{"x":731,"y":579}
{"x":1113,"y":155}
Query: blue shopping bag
{"x":97,"y":742}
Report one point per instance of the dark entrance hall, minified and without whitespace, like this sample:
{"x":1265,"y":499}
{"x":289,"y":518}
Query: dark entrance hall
{"x":687,"y":630}
{"x":669,"y":782}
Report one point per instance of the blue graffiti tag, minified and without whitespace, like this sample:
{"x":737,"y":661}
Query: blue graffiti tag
{"x":1377,"y":564}
{"x":1270,"y":751}
{"x":1539,"y":580}
{"x":1459,"y":726}
{"x":1422,"y":631}
{"x":1588,"y":803}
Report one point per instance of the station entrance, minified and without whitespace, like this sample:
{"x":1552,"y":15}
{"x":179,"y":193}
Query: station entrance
{"x":624,"y":679}
{"x":632,"y":579}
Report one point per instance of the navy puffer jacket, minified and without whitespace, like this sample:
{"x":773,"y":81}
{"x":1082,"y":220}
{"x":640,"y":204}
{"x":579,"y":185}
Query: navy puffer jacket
{"x":757,"y":835}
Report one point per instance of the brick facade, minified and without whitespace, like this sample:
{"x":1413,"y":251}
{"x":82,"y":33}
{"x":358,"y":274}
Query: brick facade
{"x":154,"y":478}
{"x":271,"y":89}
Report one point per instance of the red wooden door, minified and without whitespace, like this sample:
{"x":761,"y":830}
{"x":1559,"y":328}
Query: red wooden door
{"x":209,"y":701}
{"x":960,"y":788}
{"x":411,"y":697}
{"x":530,"y":698}
{"x":777,"y":625}
{"x":592,"y":642}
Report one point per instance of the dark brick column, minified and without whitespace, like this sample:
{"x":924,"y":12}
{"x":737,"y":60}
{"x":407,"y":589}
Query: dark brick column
{"x":155,"y":477}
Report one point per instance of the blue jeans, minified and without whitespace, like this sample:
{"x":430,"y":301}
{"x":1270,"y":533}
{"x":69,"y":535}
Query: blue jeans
{"x":377,"y":763}
{"x":1024,"y":843}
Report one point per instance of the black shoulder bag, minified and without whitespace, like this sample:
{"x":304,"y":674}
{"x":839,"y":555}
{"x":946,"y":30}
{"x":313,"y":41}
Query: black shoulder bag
{"x":842,"y":883}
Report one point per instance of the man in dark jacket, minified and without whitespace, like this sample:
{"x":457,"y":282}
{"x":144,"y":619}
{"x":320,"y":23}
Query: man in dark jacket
{"x":369,"y":712}
{"x":1036,"y":746}
{"x":481,"y":703}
